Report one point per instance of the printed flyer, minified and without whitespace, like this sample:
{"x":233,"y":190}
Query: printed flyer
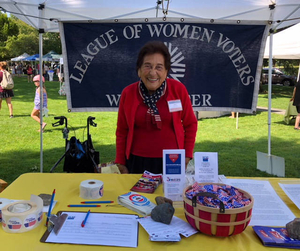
{"x":206,"y":167}
{"x":174,"y":173}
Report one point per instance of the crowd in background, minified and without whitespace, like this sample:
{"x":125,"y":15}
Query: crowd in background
{"x":27,"y":69}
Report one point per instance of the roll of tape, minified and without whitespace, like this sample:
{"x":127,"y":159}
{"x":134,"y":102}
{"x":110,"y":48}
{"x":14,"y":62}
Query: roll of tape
{"x":91,"y":189}
{"x":22,"y":216}
{"x":3,"y":203}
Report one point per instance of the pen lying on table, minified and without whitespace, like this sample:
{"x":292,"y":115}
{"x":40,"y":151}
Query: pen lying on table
{"x":85,"y":219}
{"x":84,"y":205}
{"x":97,"y":202}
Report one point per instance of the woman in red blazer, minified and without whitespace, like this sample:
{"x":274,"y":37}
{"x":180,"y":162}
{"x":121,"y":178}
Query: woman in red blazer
{"x":155,"y":113}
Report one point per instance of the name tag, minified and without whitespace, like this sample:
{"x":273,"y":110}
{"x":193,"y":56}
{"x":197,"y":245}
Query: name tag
{"x":175,"y":105}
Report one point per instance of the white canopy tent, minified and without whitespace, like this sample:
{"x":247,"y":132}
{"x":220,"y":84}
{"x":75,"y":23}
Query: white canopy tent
{"x":21,"y":57}
{"x":46,"y":15}
{"x":50,"y":12}
{"x":286,"y":44}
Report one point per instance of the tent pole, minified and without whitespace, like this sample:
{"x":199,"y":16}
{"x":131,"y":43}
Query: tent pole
{"x":298,"y":77}
{"x":41,"y":100}
{"x":41,"y":31}
{"x":270,"y":92}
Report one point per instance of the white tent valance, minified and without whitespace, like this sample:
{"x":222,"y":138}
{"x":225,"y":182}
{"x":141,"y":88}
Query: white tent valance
{"x":61,"y":10}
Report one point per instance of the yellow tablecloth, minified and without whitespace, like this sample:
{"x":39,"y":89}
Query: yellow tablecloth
{"x":67,"y":192}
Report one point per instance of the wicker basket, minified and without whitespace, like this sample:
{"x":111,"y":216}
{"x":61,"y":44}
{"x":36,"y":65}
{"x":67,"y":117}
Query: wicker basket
{"x":211,"y":221}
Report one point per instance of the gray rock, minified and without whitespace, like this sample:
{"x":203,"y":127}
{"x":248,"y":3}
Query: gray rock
{"x":293,"y":228}
{"x":163,"y":213}
{"x":160,"y":200}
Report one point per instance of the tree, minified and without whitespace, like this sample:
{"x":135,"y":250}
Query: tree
{"x":23,"y":27}
{"x":28,"y":43}
{"x":8,"y":28}
{"x":51,"y":41}
{"x":17,"y":37}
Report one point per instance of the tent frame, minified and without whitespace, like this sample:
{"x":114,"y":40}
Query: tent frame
{"x":20,"y":9}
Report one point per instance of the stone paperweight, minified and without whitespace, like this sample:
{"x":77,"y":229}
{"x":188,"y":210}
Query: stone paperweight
{"x":163,"y":213}
{"x":160,"y":200}
{"x":293,"y":228}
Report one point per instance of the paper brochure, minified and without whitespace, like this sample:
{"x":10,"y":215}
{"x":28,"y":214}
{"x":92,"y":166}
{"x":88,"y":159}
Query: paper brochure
{"x":174,"y":173}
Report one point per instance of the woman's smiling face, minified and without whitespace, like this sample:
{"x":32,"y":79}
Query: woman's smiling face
{"x":153,"y":71}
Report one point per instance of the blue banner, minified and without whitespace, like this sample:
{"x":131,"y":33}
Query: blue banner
{"x":219,"y":64}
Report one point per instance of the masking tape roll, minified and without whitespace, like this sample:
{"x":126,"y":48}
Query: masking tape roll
{"x":22,"y":216}
{"x":91,"y":189}
{"x":3,"y":203}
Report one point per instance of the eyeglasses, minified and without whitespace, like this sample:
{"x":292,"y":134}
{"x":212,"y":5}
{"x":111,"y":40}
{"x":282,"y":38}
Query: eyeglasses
{"x":148,"y":67}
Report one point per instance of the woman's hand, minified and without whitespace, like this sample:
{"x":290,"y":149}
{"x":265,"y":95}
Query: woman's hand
{"x":122,"y":168}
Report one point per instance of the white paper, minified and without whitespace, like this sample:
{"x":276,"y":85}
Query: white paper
{"x":174,"y":173}
{"x":159,"y":231}
{"x":268,"y":208}
{"x":292,"y":191}
{"x":206,"y":167}
{"x":100,"y":229}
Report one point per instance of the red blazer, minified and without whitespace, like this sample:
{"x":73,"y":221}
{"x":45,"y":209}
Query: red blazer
{"x":185,"y":122}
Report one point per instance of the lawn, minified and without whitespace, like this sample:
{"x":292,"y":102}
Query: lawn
{"x":20,"y":141}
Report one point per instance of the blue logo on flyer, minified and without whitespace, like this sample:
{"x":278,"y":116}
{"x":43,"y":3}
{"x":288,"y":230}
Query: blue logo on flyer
{"x":173,"y":163}
{"x":205,"y":158}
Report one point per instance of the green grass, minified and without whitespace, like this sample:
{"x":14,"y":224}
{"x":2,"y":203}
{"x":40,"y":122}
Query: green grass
{"x":20,"y":141}
{"x":280,"y":96}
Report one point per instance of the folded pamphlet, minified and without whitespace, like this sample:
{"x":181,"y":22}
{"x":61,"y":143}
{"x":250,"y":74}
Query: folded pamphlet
{"x":275,"y":237}
{"x":136,"y":202}
{"x":147,"y":183}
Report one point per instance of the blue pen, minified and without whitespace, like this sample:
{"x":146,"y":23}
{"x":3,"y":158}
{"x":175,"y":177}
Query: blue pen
{"x":85,"y":219}
{"x":50,"y":207}
{"x":84,"y":205}
{"x":97,"y":202}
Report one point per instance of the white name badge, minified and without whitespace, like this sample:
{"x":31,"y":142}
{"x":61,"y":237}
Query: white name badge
{"x":175,"y":105}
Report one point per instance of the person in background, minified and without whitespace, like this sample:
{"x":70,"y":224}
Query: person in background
{"x":155,"y":113}
{"x":19,"y":69}
{"x":5,"y":94}
{"x":29,"y":73}
{"x":35,"y":114}
{"x":296,"y":102}
{"x":233,"y":115}
{"x":46,"y":69}
{"x":37,"y":70}
{"x":13,"y":69}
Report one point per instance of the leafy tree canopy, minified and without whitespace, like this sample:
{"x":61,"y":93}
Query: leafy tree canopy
{"x":17,"y":37}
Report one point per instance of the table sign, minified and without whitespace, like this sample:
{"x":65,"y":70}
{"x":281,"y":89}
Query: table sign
{"x":174,"y":173}
{"x":206,"y":167}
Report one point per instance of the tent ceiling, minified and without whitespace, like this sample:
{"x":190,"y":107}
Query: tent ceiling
{"x":27,"y":10}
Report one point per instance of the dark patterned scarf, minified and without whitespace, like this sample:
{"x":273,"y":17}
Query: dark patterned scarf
{"x":150,"y":101}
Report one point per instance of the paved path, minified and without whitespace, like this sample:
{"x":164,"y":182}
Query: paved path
{"x":265,"y":109}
